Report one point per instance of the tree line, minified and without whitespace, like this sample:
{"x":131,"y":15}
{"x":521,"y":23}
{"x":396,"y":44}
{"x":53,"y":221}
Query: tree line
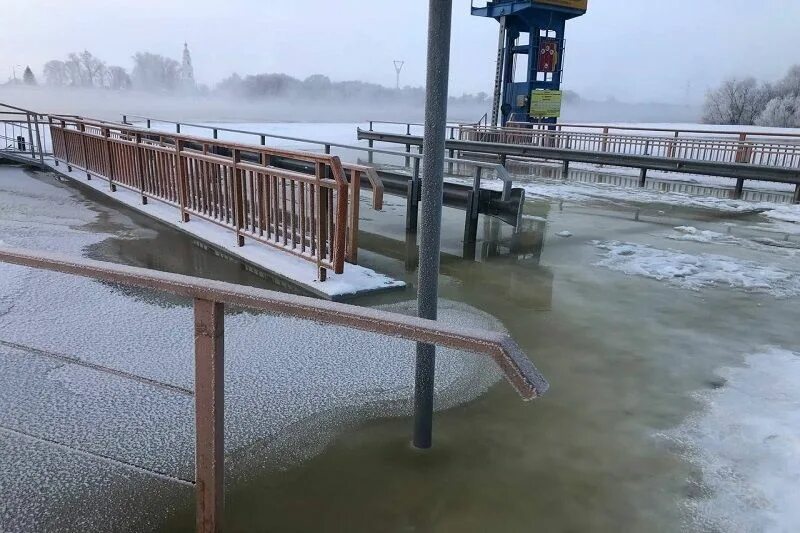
{"x":745,"y":101}
{"x":157,"y":73}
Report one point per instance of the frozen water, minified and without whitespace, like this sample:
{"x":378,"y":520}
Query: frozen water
{"x":746,"y":442}
{"x":564,"y":233}
{"x":696,"y":272}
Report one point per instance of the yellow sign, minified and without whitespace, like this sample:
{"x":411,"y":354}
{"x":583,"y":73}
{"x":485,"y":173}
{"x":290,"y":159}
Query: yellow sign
{"x":581,"y":5}
{"x":545,"y":104}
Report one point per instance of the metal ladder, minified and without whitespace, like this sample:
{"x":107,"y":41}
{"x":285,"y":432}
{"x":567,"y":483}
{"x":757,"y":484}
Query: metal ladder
{"x":498,"y":75}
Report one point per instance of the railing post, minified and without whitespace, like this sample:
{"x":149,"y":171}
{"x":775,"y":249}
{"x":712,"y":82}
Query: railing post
{"x":148,"y":123}
{"x":83,"y":148}
{"x":796,"y":198}
{"x":605,"y":140}
{"x":371,"y":144}
{"x":137,"y":156}
{"x":352,"y":223}
{"x":671,"y":148}
{"x":215,"y":133}
{"x":322,"y":223}
{"x":642,"y":177}
{"x":38,"y":138}
{"x":209,"y":401}
{"x":30,"y":136}
{"x":238,"y":199}
{"x":66,"y":146}
{"x":177,"y":127}
{"x":183,"y":186}
{"x":741,"y":152}
{"x":52,"y":138}
{"x":109,"y":162}
{"x":328,"y":149}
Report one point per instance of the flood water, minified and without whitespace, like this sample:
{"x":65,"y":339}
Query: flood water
{"x":624,"y":355}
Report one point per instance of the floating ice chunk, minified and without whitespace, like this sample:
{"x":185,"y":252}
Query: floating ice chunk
{"x":564,"y":233}
{"x":695,"y":272}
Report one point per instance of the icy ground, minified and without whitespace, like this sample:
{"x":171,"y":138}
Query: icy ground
{"x":83,"y":446}
{"x":584,"y":192}
{"x":746,"y":443}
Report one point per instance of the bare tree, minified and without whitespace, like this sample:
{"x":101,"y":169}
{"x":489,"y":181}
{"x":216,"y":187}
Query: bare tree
{"x":55,"y":73}
{"x":736,"y":102}
{"x":154,"y":72}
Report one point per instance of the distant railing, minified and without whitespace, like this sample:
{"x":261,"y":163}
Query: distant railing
{"x":784,"y":153}
{"x":298,"y":202}
{"x":211,"y":296}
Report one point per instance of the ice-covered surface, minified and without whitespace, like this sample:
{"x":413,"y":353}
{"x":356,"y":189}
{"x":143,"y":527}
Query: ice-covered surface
{"x":746,"y":443}
{"x":80,"y":445}
{"x":584,"y":192}
{"x":355,"y":278}
{"x":690,"y":271}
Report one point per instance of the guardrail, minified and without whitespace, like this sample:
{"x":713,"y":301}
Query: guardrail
{"x":784,"y":154}
{"x":233,"y":185}
{"x":21,"y":131}
{"x":738,"y":171}
{"x":211,"y":296}
{"x":654,"y":131}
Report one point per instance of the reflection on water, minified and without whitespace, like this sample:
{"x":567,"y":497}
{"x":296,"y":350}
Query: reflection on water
{"x":653,"y":183}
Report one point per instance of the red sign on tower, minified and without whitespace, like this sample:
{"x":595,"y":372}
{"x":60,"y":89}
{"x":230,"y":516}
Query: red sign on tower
{"x":548,"y":55}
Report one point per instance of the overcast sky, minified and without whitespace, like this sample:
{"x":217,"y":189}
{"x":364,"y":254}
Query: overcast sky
{"x":633,"y":50}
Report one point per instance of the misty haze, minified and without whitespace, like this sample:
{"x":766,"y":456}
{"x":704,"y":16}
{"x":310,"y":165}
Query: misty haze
{"x":485,"y":265}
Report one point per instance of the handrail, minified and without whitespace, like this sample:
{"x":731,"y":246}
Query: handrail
{"x":210,"y":298}
{"x":306,"y":215}
{"x":528,"y":126}
{"x":377,"y":185}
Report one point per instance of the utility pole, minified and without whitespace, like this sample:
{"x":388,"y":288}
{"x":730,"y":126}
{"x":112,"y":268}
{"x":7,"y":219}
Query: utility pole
{"x":398,"y":66}
{"x":436,"y":85}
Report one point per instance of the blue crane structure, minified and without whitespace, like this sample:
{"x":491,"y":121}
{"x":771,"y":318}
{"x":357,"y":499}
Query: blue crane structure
{"x":537,"y":98}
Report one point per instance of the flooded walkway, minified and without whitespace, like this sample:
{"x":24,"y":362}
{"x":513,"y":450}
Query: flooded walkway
{"x":665,"y":331}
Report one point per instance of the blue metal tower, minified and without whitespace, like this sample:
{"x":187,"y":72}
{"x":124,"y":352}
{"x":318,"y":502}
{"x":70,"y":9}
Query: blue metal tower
{"x":533,"y":29}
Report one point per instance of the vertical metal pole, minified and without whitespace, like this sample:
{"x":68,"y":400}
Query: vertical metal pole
{"x":209,"y":406}
{"x":39,"y":139}
{"x":436,"y":86}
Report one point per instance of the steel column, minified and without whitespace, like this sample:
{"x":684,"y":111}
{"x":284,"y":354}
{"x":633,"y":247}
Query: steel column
{"x":436,"y":86}
{"x":209,"y":353}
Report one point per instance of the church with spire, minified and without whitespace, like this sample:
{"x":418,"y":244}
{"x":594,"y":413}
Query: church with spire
{"x":187,"y":71}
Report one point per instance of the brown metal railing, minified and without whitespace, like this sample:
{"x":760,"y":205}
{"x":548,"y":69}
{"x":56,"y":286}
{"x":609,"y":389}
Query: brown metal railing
{"x":784,"y":152}
{"x":298,"y":202}
{"x":210,"y":298}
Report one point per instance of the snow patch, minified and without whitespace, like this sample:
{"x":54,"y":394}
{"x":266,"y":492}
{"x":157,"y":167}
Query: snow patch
{"x":747,"y":444}
{"x":564,"y":233}
{"x":690,"y":233}
{"x":695,"y":272}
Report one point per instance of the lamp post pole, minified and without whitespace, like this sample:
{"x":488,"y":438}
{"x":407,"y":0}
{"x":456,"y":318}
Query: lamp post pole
{"x":436,"y":85}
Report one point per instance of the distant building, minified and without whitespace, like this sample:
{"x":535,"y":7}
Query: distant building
{"x":187,"y":71}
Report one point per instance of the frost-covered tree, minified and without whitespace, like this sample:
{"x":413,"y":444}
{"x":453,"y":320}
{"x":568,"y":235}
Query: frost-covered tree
{"x":55,"y":73}
{"x":154,"y":72}
{"x":79,"y":70}
{"x":117,"y":79}
{"x":27,"y":77}
{"x":790,"y":84}
{"x":737,"y":101}
{"x":781,"y":112}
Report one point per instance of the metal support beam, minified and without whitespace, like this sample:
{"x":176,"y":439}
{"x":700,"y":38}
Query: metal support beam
{"x":209,"y":353}
{"x":436,"y":86}
{"x":565,"y":169}
{"x":737,"y":192}
{"x":642,"y":176}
